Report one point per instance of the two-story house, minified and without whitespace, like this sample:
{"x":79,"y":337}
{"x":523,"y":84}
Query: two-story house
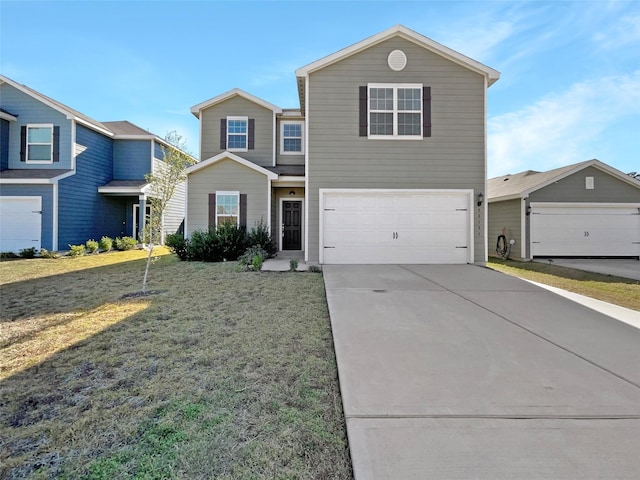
{"x":66,"y":178}
{"x":384,"y":161}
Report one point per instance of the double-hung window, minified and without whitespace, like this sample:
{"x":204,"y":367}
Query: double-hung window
{"x":395,"y":110}
{"x":237,"y":134}
{"x":39,"y":143}
{"x":227,"y":208}
{"x":291,"y":138}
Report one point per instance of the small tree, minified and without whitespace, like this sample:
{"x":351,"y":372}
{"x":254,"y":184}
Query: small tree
{"x":163,"y":183}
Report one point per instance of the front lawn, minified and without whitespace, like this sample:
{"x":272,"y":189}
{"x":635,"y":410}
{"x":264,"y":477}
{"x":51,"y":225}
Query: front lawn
{"x":218,"y":374}
{"x":616,"y":290}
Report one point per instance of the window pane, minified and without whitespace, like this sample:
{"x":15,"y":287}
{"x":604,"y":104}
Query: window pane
{"x":237,"y":126}
{"x":292,"y":130}
{"x":409,"y":124}
{"x":227,"y":204}
{"x":39,"y":152}
{"x":237,"y":141}
{"x":409,"y":99}
{"x":381,"y":123}
{"x":292,"y":145}
{"x":381,"y":98}
{"x":40,"y":135}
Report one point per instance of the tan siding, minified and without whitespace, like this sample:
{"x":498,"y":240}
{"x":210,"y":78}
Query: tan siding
{"x":505,"y":216}
{"x":226,"y":175}
{"x":453,"y":157}
{"x":238,"y":106}
{"x":572,"y":189}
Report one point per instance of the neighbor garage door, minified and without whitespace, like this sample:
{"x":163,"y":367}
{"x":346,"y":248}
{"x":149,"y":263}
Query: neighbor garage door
{"x":20,"y":223}
{"x":585,"y":229}
{"x":395,"y":226}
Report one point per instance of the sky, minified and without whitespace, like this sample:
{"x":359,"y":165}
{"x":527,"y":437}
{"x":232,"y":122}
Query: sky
{"x":570,"y":70}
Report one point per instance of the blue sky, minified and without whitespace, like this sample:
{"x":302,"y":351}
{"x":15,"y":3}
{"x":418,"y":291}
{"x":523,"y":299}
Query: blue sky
{"x":569,"y":90}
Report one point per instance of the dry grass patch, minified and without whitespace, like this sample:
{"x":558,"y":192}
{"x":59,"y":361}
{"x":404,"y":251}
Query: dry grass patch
{"x":616,"y":290}
{"x":224,"y":375}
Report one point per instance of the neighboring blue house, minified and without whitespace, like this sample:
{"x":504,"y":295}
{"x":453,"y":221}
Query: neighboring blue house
{"x":66,"y":178}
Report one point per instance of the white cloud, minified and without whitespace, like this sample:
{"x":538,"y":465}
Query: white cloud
{"x":561,"y":128}
{"x":622,"y":33}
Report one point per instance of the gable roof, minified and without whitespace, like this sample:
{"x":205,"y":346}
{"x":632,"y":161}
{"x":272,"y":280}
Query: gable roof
{"x":520,"y":185}
{"x":231,"y":156}
{"x":124,"y":127}
{"x":69,"y":112}
{"x":236,"y":92}
{"x":401,"y":31}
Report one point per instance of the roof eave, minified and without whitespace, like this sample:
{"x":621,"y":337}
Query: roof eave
{"x":196,"y":109}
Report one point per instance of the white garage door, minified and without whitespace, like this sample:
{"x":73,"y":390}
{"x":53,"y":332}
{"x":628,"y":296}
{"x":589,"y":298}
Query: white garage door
{"x":395,"y":226}
{"x":20,"y":223}
{"x":585,"y":230}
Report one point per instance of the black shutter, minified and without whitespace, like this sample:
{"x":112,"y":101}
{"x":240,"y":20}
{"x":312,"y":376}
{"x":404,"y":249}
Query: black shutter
{"x":212,"y":211}
{"x":364,"y":120}
{"x":23,"y":143}
{"x":223,"y":134}
{"x":56,"y":144}
{"x":243,"y":210}
{"x":251,"y":143}
{"x":426,"y":111}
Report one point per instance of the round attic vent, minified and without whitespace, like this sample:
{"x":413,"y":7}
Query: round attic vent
{"x":397,"y":60}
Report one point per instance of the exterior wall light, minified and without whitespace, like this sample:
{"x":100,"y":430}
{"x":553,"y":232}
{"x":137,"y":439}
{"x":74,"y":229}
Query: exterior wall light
{"x":480,"y":199}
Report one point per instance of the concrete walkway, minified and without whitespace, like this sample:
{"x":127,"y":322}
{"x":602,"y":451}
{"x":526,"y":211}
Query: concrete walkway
{"x":451,"y":372}
{"x":619,"y":267}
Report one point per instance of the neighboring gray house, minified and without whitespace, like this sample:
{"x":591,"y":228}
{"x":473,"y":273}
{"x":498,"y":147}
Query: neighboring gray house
{"x":384,"y":161}
{"x":586,"y":209}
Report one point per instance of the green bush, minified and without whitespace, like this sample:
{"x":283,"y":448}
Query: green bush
{"x":232,"y":240}
{"x":125,"y":243}
{"x":27,"y":252}
{"x":47,"y":254}
{"x":253,"y":257}
{"x":105,"y":244}
{"x":293,"y":264}
{"x":76,"y":250}
{"x":8,"y":255}
{"x":259,"y":235}
{"x":92,"y":246}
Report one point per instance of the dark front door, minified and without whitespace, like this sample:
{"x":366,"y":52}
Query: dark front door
{"x":292,"y":225}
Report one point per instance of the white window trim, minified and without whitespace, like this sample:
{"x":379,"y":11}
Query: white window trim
{"x":395,"y":87}
{"x":246,"y":135}
{"x":26,"y":153}
{"x":292,"y":122}
{"x":237,"y":194}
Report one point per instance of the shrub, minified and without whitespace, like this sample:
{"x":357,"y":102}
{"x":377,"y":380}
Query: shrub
{"x":47,"y":254}
{"x":315,"y":268}
{"x":27,"y":252}
{"x":76,"y":250}
{"x":125,"y":243}
{"x":259,"y":235}
{"x":92,"y":246}
{"x":293,"y":264}
{"x":105,"y":244}
{"x":8,"y":255}
{"x":252,"y":257}
{"x":178,"y":245}
{"x":232,"y":240}
{"x":204,"y":246}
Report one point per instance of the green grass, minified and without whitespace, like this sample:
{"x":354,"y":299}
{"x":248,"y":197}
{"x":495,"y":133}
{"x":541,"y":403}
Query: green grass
{"x":616,"y":290}
{"x":219,"y":374}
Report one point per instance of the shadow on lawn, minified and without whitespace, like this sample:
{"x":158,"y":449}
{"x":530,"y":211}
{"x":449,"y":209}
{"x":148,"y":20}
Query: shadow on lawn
{"x":190,"y":385}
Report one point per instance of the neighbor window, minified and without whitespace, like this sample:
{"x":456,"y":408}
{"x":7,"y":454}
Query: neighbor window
{"x":291,"y":138}
{"x":227,"y":208}
{"x":237,"y":132}
{"x":39,"y":143}
{"x":395,"y":110}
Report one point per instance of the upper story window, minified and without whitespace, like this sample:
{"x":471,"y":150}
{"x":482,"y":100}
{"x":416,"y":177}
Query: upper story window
{"x":227,"y":208}
{"x":395,"y":111}
{"x":237,"y":133}
{"x":39,"y":143}
{"x":291,"y":138}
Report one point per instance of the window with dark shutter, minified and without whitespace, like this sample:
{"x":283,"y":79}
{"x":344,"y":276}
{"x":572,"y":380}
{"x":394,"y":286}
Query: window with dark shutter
{"x":390,"y":111}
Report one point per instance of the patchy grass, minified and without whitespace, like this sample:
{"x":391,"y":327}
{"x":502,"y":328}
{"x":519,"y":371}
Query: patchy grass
{"x":616,"y":290}
{"x":221,"y":375}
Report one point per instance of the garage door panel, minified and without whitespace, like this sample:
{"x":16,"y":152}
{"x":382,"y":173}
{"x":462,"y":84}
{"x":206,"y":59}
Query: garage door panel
{"x":585,"y":231}
{"x":395,"y":227}
{"x":20,"y":223}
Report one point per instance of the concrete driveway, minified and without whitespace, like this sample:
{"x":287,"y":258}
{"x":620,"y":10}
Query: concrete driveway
{"x":619,"y":267}
{"x":451,"y":372}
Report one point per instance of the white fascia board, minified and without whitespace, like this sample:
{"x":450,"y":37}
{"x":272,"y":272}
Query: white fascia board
{"x":581,"y":166}
{"x":505,"y":198}
{"x":290,"y":181}
{"x":231,"y":156}
{"x":196,"y":109}
{"x":8,"y":116}
{"x":129,"y":136}
{"x":412,"y":36}
{"x":26,"y":181}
